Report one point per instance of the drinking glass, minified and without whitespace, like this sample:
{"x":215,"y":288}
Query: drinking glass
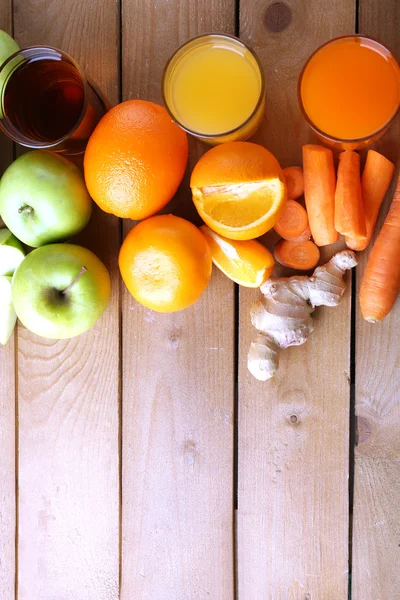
{"x":214,"y":88}
{"x":47,"y":102}
{"x":349,"y":91}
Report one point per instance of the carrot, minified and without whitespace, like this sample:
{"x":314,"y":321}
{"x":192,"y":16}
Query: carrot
{"x":304,"y":236}
{"x":319,"y":192}
{"x":380,"y":284}
{"x":297,"y":255}
{"x":349,"y":210}
{"x":375,"y":181}
{"x":293,"y":224}
{"x":294,"y":182}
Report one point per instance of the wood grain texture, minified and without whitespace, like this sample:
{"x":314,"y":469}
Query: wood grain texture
{"x":68,"y":390}
{"x":293,"y":472}
{"x":376,"y":521}
{"x":178,"y":376}
{"x":7,"y":411}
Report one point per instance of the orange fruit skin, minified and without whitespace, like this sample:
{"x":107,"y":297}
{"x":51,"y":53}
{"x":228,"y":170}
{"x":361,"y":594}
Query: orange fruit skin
{"x":235,"y":162}
{"x":135,"y":159}
{"x":165,"y":263}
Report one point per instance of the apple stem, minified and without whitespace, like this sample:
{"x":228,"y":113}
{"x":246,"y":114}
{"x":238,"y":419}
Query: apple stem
{"x":74,"y":281}
{"x":25,"y":209}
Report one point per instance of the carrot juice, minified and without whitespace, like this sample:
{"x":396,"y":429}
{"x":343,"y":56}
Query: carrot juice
{"x":213,"y":87}
{"x":349,"y":90}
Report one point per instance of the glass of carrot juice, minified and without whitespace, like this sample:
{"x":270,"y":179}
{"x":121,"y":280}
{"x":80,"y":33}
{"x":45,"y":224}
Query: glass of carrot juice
{"x":213,"y":87}
{"x":349,"y":91}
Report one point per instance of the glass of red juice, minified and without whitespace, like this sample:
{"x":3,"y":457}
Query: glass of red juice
{"x":46,"y":101}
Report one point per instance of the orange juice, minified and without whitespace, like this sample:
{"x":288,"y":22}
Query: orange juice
{"x":350,"y":89}
{"x":214,"y":88}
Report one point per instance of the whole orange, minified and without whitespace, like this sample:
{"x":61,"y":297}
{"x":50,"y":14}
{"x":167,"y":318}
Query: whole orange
{"x":239,"y":190}
{"x":165,"y":263}
{"x":135,"y":159}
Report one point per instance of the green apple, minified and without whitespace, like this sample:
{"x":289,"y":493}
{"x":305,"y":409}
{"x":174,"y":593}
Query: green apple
{"x":8,"y":46}
{"x":43,"y":198}
{"x":8,"y":316}
{"x":11,"y":252}
{"x":60,"y":290}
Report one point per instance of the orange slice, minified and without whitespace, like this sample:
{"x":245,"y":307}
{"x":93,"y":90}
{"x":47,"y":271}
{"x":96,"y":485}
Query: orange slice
{"x":247,"y":262}
{"x":239,"y":190}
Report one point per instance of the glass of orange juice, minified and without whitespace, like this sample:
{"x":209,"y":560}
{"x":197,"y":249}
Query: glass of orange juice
{"x":213,"y":87}
{"x":349,"y":91}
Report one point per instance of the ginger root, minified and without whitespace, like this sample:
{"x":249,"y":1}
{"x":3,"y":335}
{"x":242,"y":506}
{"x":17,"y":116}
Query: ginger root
{"x":283,"y":316}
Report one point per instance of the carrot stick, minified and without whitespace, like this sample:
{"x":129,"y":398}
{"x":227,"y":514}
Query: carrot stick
{"x":297,"y":255}
{"x":349,"y":210}
{"x":293,"y":224}
{"x":319,"y":192}
{"x":380,"y":284}
{"x":375,"y":181}
{"x":294,"y":182}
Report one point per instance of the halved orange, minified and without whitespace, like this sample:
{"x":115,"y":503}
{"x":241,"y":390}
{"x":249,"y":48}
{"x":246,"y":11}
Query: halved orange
{"x":246,"y":262}
{"x":239,"y":190}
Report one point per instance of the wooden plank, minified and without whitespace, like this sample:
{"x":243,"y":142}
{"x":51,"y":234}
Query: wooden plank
{"x":376,"y":521}
{"x":68,"y":390}
{"x":294,"y":429}
{"x":7,"y":410}
{"x":178,"y":373}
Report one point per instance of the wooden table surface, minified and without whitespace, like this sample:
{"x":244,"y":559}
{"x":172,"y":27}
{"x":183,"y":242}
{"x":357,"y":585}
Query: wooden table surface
{"x":141,"y":460}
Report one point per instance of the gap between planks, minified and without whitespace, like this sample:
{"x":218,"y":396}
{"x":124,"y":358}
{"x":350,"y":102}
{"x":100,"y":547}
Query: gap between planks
{"x":16,"y":420}
{"x":353,"y":418}
{"x":353,"y":421}
{"x":120,"y":325}
{"x":236,"y":403}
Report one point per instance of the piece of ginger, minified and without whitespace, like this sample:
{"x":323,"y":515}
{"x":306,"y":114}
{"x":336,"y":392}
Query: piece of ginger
{"x":283,"y":316}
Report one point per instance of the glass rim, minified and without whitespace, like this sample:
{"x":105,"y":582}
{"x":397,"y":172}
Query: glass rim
{"x":26,"y":53}
{"x":319,"y":131}
{"x":209,"y":136}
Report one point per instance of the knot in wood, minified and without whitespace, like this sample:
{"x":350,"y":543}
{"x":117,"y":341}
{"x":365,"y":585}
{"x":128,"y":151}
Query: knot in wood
{"x":190,"y":452}
{"x":277,"y":17}
{"x":173,"y":340}
{"x":364,"y":431}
